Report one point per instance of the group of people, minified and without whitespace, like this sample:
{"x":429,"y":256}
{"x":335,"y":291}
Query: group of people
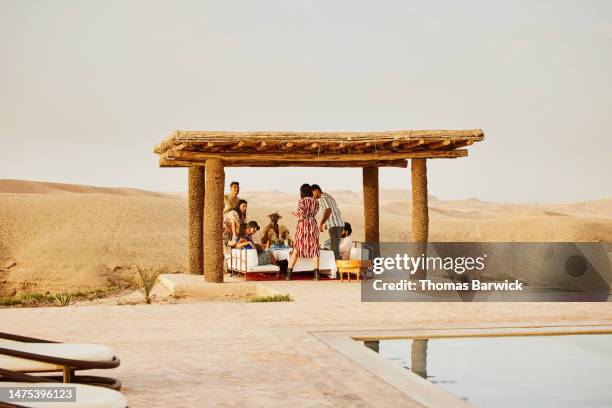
{"x":238,"y":232}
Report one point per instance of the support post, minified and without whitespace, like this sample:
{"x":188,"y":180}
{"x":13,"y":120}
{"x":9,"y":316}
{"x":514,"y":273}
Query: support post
{"x":196,"y":219}
{"x":213,"y":221}
{"x":418,"y":359}
{"x":420,"y":213}
{"x":370,"y":204}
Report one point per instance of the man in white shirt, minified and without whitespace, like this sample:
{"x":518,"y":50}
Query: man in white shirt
{"x":332,"y":219}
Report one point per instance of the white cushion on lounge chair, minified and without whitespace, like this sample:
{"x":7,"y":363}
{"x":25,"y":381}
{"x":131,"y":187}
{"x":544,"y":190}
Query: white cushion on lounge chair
{"x":74,"y":351}
{"x":87,"y":396}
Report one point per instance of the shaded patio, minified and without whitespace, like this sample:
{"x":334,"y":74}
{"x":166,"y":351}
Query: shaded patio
{"x":207,"y":153}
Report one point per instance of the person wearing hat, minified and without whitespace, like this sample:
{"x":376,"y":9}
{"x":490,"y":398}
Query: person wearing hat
{"x":274,"y":233}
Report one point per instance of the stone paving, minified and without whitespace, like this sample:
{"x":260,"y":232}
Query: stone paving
{"x":263,"y":354}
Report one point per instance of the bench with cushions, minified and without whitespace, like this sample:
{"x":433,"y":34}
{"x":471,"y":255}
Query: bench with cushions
{"x":244,"y":261}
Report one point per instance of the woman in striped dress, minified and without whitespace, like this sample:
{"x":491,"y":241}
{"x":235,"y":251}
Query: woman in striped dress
{"x":306,"y":243}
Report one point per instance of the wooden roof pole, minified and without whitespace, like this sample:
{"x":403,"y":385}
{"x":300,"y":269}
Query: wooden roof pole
{"x":420,"y":212}
{"x":371,"y":204}
{"x":213,"y":227}
{"x":196,"y":219}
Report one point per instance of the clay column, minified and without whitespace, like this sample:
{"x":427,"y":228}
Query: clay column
{"x":213,"y":221}
{"x":420,"y":213}
{"x":196,"y":219}
{"x":370,"y":204}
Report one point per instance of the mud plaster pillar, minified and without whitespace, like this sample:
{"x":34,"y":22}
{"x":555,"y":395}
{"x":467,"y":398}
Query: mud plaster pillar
{"x":213,"y":221}
{"x":196,"y":219}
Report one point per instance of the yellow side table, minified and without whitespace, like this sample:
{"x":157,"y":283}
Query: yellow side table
{"x":355,"y":266}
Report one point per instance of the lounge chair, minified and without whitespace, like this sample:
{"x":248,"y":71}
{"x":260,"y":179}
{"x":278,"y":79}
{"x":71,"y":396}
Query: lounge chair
{"x":23,"y":358}
{"x":87,"y":396}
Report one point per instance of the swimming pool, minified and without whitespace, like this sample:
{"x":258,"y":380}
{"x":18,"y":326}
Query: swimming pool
{"x":512,"y":371}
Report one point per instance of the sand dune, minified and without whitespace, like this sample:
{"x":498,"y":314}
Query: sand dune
{"x":43,"y":187}
{"x":56,"y":237}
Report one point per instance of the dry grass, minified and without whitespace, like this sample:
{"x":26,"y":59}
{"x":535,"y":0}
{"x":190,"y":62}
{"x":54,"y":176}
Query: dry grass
{"x":284,"y":297}
{"x":34,"y":299}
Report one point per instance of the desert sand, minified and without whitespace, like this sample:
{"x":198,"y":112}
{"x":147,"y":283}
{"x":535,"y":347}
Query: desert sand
{"x":58,"y":237}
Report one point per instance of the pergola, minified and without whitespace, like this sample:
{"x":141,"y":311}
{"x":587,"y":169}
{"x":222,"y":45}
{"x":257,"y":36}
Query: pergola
{"x":207,"y":153}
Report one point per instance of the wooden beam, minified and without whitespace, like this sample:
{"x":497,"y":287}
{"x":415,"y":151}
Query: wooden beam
{"x":310,"y":157}
{"x":463,"y":143}
{"x":370,"y":163}
{"x":179,"y":163}
{"x":437,"y":145}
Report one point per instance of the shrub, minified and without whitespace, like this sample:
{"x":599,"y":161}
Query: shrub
{"x":284,"y":297}
{"x":146,"y":280}
{"x":63,"y":299}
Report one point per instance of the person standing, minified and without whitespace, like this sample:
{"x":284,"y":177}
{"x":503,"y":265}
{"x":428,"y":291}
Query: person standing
{"x":306,"y":243}
{"x":332,"y":218}
{"x":230,"y":200}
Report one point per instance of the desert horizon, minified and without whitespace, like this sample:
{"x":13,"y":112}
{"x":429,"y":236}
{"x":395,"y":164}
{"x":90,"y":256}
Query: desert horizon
{"x":57,"y":236}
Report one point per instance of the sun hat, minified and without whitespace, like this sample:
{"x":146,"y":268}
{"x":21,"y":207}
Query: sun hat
{"x":275,"y":213}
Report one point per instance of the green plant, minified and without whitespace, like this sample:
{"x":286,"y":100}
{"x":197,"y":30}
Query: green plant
{"x":279,"y":297}
{"x":146,"y":280}
{"x":63,"y":299}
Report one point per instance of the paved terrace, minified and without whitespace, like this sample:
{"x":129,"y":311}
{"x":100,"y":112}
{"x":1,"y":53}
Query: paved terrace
{"x":262,"y":354}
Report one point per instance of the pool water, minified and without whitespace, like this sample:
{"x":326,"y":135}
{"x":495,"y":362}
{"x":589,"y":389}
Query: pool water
{"x":524,"y":371}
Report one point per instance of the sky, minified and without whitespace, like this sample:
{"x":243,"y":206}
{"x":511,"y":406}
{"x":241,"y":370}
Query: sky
{"x":87,"y":88}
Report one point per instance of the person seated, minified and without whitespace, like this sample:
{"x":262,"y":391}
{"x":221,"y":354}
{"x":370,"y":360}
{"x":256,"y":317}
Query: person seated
{"x":274,"y":234}
{"x":232,"y":220}
{"x":346,"y":242}
{"x":245,"y":240}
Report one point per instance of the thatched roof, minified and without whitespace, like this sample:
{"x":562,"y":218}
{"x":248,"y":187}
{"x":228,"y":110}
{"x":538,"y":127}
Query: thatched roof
{"x":325,"y":149}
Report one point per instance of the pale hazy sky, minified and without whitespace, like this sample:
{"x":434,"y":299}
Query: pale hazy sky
{"x":89,"y":87}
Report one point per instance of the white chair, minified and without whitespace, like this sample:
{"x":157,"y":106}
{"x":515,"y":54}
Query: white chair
{"x":358,"y":253}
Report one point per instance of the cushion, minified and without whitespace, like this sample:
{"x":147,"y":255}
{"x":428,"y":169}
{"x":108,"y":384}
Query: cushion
{"x":87,"y":396}
{"x":359,"y":253}
{"x":241,"y":254}
{"x":75,"y":351}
